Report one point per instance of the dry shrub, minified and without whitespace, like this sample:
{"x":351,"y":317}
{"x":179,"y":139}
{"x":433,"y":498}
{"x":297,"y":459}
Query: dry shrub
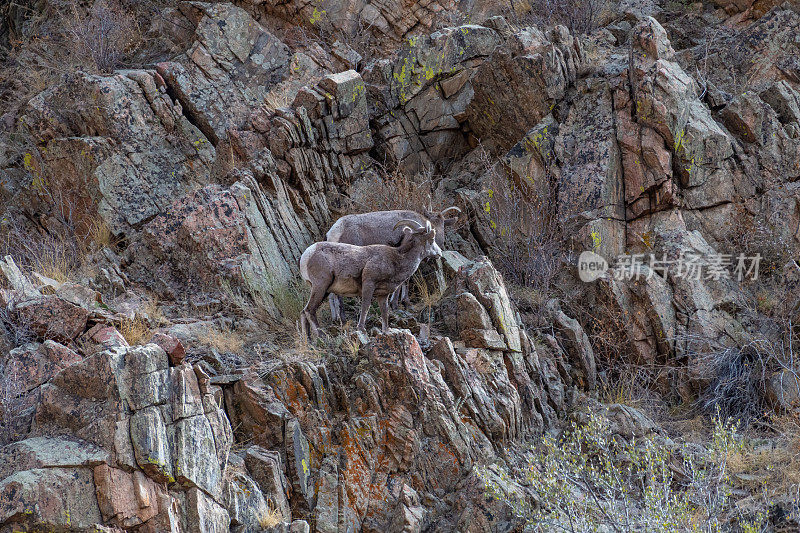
{"x":222,"y":339}
{"x":769,"y":237}
{"x":580,"y":16}
{"x":105,"y":34}
{"x":136,"y":330}
{"x":57,"y":38}
{"x":529,"y":247}
{"x":16,"y":331}
{"x":736,"y":376}
{"x":383,"y":190}
{"x":12,"y":392}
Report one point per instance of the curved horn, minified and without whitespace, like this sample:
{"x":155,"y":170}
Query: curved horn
{"x":428,"y":227}
{"x":447,"y":211}
{"x":408,"y":222}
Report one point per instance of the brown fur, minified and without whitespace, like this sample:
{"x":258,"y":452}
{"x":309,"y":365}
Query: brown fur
{"x":375,"y":270}
{"x":379,"y":227}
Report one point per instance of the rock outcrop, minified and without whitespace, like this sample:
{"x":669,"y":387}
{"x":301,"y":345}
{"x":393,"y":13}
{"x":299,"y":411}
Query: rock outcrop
{"x":366,"y":440}
{"x":215,"y":167}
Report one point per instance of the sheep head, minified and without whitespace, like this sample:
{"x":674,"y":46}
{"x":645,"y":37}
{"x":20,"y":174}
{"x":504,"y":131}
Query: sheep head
{"x":417,"y":235}
{"x":447,"y":217}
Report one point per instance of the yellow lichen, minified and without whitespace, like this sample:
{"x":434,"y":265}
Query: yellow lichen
{"x":596,"y":239}
{"x":316,"y":15}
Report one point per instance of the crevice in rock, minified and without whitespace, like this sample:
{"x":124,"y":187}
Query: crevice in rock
{"x":191,"y":115}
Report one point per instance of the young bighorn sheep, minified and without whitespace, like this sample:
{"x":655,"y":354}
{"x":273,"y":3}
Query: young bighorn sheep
{"x":375,"y":270}
{"x":380,"y":227}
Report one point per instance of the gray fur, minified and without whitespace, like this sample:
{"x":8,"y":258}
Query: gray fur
{"x":380,"y":227}
{"x":375,"y":270}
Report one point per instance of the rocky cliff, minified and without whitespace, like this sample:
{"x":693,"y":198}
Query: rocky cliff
{"x":155,"y":211}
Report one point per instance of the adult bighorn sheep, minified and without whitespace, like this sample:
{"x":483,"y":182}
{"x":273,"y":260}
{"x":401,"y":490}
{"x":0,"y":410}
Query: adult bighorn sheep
{"x":374,"y":270}
{"x":381,"y":227}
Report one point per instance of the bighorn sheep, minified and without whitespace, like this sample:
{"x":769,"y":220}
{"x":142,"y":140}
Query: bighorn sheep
{"x":366,"y":271}
{"x":380,"y":227}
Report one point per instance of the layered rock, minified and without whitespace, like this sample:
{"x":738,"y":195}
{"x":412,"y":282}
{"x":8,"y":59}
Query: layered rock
{"x":370,"y":445}
{"x":382,"y":25}
{"x":120,"y":438}
{"x":117,"y":147}
{"x":138,"y":148}
{"x":464,"y":79}
{"x":227,"y":71}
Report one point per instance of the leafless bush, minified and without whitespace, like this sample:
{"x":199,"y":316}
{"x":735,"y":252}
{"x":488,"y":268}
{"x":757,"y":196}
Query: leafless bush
{"x":529,"y":241}
{"x":57,"y":38}
{"x":12,"y":393}
{"x":384,"y":190}
{"x":736,"y":376}
{"x":12,"y":387}
{"x":105,"y":34}
{"x":767,"y":236}
{"x":580,"y":16}
{"x":16,"y":331}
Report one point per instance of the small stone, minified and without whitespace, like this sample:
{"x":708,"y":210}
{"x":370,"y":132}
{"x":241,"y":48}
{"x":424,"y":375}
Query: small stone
{"x":171,"y":345}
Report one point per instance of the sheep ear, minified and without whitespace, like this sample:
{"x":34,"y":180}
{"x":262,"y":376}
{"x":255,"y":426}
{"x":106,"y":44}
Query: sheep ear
{"x":407,"y":229}
{"x":450,"y":221}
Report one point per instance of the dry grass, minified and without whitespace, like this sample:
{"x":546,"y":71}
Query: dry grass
{"x":54,"y":264}
{"x":272,"y":518}
{"x":64,"y":251}
{"x":625,"y":389}
{"x":222,"y":339}
{"x":135,"y":331}
{"x":100,"y":235}
{"x":350,"y":345}
{"x":768,"y":465}
{"x":386,"y":190}
{"x":277,"y":305}
{"x":152,"y":310}
{"x":427,"y":297}
{"x":282,"y":95}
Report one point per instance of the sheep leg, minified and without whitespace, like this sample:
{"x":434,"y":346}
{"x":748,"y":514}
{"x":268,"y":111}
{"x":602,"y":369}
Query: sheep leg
{"x":404,"y":294}
{"x":304,"y":324}
{"x":314,"y":301}
{"x":366,"y":299}
{"x":337,"y":310}
{"x":340,"y":307}
{"x":384,"y":303}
